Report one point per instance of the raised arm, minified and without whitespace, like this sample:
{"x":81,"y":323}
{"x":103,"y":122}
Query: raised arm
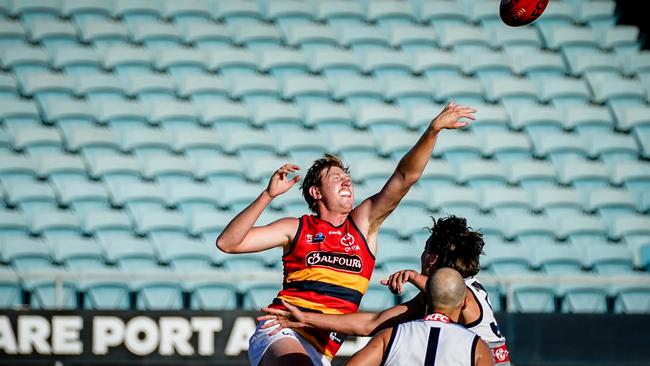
{"x":373,"y":352}
{"x":354,"y":324}
{"x":240,"y":235}
{"x":372,"y":212}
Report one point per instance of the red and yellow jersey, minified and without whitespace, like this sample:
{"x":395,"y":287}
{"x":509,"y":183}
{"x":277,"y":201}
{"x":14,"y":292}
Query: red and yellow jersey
{"x":327,"y":269}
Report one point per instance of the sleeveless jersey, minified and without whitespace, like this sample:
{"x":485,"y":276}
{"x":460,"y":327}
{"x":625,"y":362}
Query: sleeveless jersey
{"x":486,"y":325}
{"x":327,"y":269}
{"x":431,"y":341}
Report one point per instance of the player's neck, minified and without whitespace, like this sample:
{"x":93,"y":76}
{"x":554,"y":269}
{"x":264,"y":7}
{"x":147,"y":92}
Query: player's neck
{"x":334,"y":218}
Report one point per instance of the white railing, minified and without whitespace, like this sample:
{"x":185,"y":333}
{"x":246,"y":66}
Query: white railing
{"x":506,"y":283}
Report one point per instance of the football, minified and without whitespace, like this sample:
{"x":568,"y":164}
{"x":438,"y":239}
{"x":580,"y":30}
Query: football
{"x":516,"y":13}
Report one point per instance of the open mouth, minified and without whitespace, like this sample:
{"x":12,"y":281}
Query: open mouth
{"x":345,"y":193}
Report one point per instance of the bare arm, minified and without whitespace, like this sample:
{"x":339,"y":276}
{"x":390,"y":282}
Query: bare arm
{"x":373,"y":352}
{"x":355,"y":324}
{"x":396,"y":281}
{"x":372,"y":212}
{"x":240,"y":236}
{"x":483,"y":356}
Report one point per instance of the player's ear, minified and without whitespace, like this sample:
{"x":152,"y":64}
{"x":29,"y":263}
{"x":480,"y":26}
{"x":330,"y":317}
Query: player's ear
{"x":314,"y":192}
{"x":465,"y":299}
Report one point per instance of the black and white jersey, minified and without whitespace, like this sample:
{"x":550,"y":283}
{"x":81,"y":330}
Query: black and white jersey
{"x":433,"y":340}
{"x":486,"y":325}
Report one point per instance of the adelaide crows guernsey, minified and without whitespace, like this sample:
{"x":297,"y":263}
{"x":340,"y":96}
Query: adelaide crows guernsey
{"x":327,"y":270}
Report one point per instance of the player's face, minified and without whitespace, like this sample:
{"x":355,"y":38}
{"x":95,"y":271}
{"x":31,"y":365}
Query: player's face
{"x":336,"y":188}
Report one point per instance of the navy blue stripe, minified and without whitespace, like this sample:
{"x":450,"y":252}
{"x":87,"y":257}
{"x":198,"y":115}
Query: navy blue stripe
{"x":327,"y":289}
{"x":432,"y":346}
{"x":277,"y":301}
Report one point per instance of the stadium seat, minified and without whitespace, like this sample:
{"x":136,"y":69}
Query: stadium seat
{"x":464,"y":90}
{"x":632,"y":117}
{"x":558,"y":202}
{"x":183,"y":256}
{"x":631,"y":299}
{"x":583,"y":174}
{"x":455,"y":200}
{"x":120,"y":114}
{"x":158,"y":295}
{"x":218,"y":168}
{"x":311,"y":36}
{"x":614,"y":148}
{"x":237,"y":197}
{"x":561,"y":148}
{"x":195,"y":142}
{"x":543,"y":65}
{"x":511,"y":91}
{"x":386,"y":63}
{"x":181,"y":62}
{"x":532,"y":230}
{"x":77,"y":254}
{"x":167,"y":169}
{"x":381,"y":118}
{"x":612,"y":203}
{"x":613,"y":89}
{"x":530,"y":296}
{"x":407,"y":91}
{"x":305,"y":89}
{"x":557,"y":260}
{"x":10,"y":289}
{"x":127,"y":60}
{"x":24,"y":60}
{"x":287,"y":12}
{"x":238,"y":11}
{"x":583,"y":298}
{"x":13,"y":224}
{"x":622,"y":39}
{"x":25,"y":254}
{"x":507,"y":259}
{"x":150,"y":87}
{"x":68,"y":114}
{"x":488,"y":64}
{"x":12,"y":33}
{"x":262,"y":168}
{"x":362,"y":37}
{"x":30,"y":196}
{"x":506,"y":147}
{"x":206,"y":35}
{"x":259,"y":294}
{"x":463,"y":37}
{"x":192,"y":197}
{"x":277,"y":117}
{"x":459,"y":147}
{"x":377,"y":298}
{"x":131,"y":254}
{"x":636,"y":63}
{"x":357,"y":91}
{"x":564,"y":92}
{"x":75,"y":60}
{"x":209,"y":224}
{"x":532,"y":174}
{"x":46,"y":86}
{"x":609,"y":260}
{"x":156,"y":35}
{"x":390,"y":13}
{"x":257,"y":36}
{"x":412,"y":38}
{"x":633,"y":175}
{"x":99,"y":87}
{"x":53,"y":33}
{"x":44,"y":295}
{"x":481,"y":174}
{"x":253,"y":88}
{"x":83,"y":196}
{"x":104,"y":34}
{"x":588,"y":120}
{"x":353,"y":145}
{"x":138,"y":198}
{"x":92,"y":141}
{"x":335,"y":63}
{"x":188,"y":11}
{"x":107,"y":225}
{"x":582,"y":63}
{"x":56,"y":224}
{"x":536,"y":120}
{"x":115,"y":169}
{"x":212,"y":295}
{"x":336,"y":12}
{"x":505,"y":201}
{"x":437,"y":63}
{"x":570,"y":38}
{"x":62,"y":168}
{"x":143,"y":142}
{"x":599,"y":15}
{"x":634,"y":229}
{"x":110,"y":293}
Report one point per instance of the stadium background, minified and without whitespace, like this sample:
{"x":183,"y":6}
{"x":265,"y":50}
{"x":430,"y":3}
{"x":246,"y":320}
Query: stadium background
{"x":132,"y":131}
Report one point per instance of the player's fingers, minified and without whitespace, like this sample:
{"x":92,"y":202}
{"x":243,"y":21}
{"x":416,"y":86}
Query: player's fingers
{"x":276,"y":312}
{"x":269,"y":324}
{"x":262,"y":318}
{"x":295,"y":179}
{"x":384,"y":282}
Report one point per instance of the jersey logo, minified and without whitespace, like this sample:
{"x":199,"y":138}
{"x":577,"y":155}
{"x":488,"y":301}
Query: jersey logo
{"x":350,"y":263}
{"x":501,"y":354}
{"x":315,"y":239}
{"x":347,"y":240}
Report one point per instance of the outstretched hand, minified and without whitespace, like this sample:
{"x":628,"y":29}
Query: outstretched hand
{"x":293,"y":318}
{"x":396,"y":281}
{"x":450,"y":117}
{"x":280,"y":181}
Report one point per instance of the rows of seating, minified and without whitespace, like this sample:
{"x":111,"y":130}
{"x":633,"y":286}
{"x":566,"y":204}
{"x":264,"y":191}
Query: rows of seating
{"x":132,"y":131}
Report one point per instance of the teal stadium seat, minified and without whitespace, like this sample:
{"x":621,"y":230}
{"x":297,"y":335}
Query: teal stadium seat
{"x":238,"y":12}
{"x":336,"y":12}
{"x":106,"y":294}
{"x":258,"y":294}
{"x":377,"y":298}
{"x":212,"y":295}
{"x":10,"y":289}
{"x":206,"y":36}
{"x":557,"y":260}
{"x":158,"y":295}
{"x":529,"y":296}
{"x":583,"y":298}
{"x":508,"y":259}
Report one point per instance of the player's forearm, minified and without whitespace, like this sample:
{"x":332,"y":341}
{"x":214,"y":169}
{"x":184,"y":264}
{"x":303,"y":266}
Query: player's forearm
{"x":412,"y":164}
{"x":356,"y":324}
{"x":235,"y":232}
{"x":419,"y":280}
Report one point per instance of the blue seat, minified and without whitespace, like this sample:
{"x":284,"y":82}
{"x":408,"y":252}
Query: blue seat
{"x":335,"y":63}
{"x":104,"y":34}
{"x":167,"y":169}
{"x":60,"y":169}
{"x":505,"y":201}
{"x":511,"y":91}
{"x":394,"y":144}
{"x":357,"y":90}
{"x":12,"y":33}
{"x":151,"y":88}
{"x":583,"y":174}
{"x":212,"y":295}
{"x":558,"y":202}
{"x":159,"y":295}
{"x":515,"y":40}
{"x":37,"y":141}
{"x":436,"y":63}
{"x":188,"y":12}
{"x":128,"y":253}
{"x":561,"y":148}
{"x":277,"y":117}
{"x":203,"y":89}
{"x":25,"y":60}
{"x":636,"y":63}
{"x":248,"y":143}
{"x":507,"y":259}
{"x":532,"y":174}
{"x":30,"y":196}
{"x":633,"y":117}
{"x":363,"y":37}
{"x":78,"y":254}
{"x":380,"y":117}
{"x":608,"y":260}
{"x":353,"y":145}
{"x":262,"y":168}
{"x":442,"y":12}
{"x":126,"y":60}
{"x":612,"y":203}
{"x":156,"y":35}
{"x":559,"y":259}
{"x":482,"y":12}
{"x":564,"y":92}
{"x":110,"y":293}
{"x":464,"y":90}
{"x":390,"y":13}
{"x":532,"y":230}
{"x":632,"y":299}
{"x":583,"y":298}
{"x":144,"y":141}
{"x":286,"y":13}
{"x":455,"y":200}
{"x":437,"y":173}
{"x":614,"y":148}
{"x":490,"y":226}
{"x":253,"y":88}
{"x":26,"y":254}
{"x":588,"y":120}
{"x":282,"y":62}
{"x":138,"y":198}
{"x":634,"y":229}
{"x":582,"y":63}
{"x":257,"y":36}
{"x":45,"y":86}
{"x":83,"y":197}
{"x":463,"y":37}
{"x":84,"y":11}
{"x":240,"y":196}
{"x":481,"y":173}
{"x":13,"y":225}
{"x":161,"y":225}
{"x":75,"y":60}
{"x":107,"y":225}
{"x":259,"y":294}
{"x":53,"y":33}
{"x":92,"y":141}
{"x":570,"y":37}
{"x":311,"y":36}
{"x":219,"y":168}
{"x":305,"y":89}
{"x":530,"y":296}
{"x":44,"y":295}
{"x":622,"y":39}
{"x":407,"y":91}
{"x":377,"y":298}
{"x":10,"y":289}
{"x":115,"y":169}
{"x":56,"y":224}
{"x":185,"y":255}
{"x":545,"y":64}
{"x":617,"y":91}
{"x":206,"y":36}
{"x":336,"y":12}
{"x":209,"y":224}
{"x":413,"y":38}
{"x":459,"y":147}
{"x":634,"y":175}
{"x":182,"y":62}
{"x":583,"y":229}
{"x":599,"y":15}
{"x":328,"y":116}
{"x":506,"y":147}
{"x":238,"y":11}
{"x":192,"y":197}
{"x":488,"y":64}
{"x":69,"y":114}
{"x":137,"y":11}
{"x":98,"y":87}
{"x":384,"y":63}
{"x":644,"y":257}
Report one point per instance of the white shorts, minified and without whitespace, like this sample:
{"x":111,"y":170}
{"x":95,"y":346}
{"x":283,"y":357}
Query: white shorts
{"x":260,"y":342}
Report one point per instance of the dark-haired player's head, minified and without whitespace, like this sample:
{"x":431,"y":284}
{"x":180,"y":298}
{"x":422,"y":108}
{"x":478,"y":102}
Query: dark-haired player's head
{"x":452,"y":244}
{"x":328,"y":180}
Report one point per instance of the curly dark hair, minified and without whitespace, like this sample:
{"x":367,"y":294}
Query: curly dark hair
{"x":456,"y":245}
{"x":312,"y":178}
